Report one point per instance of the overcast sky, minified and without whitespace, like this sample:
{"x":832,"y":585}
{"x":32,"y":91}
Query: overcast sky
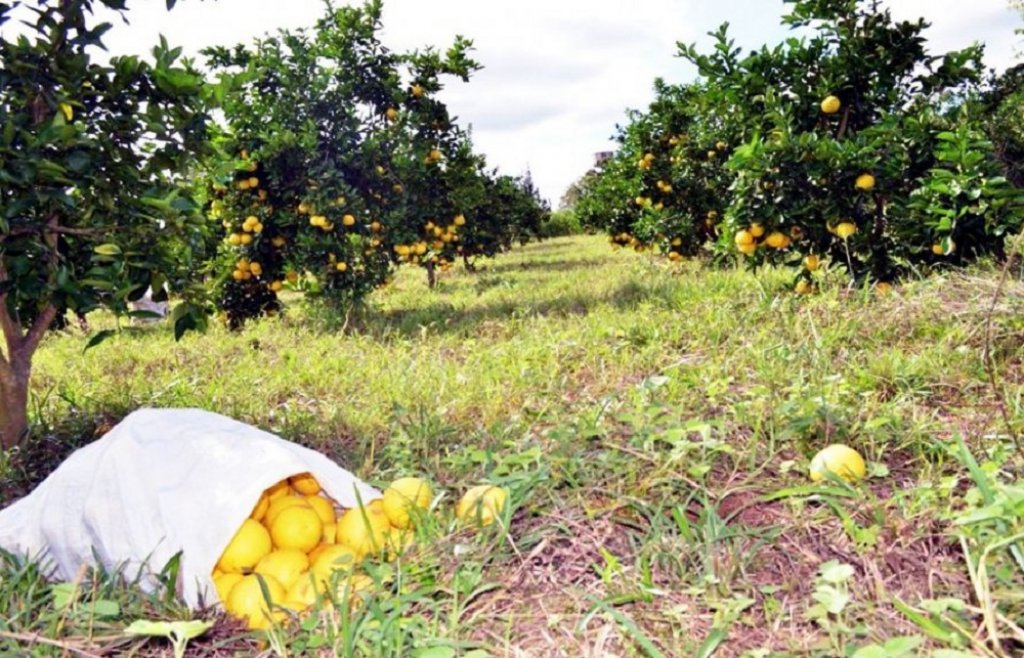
{"x":558,"y":74}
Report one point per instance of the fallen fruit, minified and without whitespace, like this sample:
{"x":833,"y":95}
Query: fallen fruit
{"x":403,"y":494}
{"x":482,"y":504}
{"x":839,"y":460}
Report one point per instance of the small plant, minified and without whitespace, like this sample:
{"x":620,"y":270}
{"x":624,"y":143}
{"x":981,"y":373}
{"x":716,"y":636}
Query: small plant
{"x":177,"y":632}
{"x":832,"y":597}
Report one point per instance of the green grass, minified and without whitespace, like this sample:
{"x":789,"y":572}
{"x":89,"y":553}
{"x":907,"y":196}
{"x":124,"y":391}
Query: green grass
{"x":654,"y":425}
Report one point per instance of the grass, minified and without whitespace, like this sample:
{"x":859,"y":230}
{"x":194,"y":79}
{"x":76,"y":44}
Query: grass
{"x":654,"y":425}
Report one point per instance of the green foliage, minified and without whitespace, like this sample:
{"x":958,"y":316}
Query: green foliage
{"x":655,"y":431}
{"x":94,"y":207}
{"x":339,"y":162}
{"x":1004,"y":123}
{"x":562,"y":223}
{"x":855,"y":125}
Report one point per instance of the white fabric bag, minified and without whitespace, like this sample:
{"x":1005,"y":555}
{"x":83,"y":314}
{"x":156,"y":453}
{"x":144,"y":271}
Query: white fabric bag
{"x":160,"y":482}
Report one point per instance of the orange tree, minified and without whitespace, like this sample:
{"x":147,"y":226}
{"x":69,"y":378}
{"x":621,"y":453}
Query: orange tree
{"x":339,"y":162}
{"x":93,"y":206}
{"x":1005,"y":126}
{"x":847,"y":157}
{"x":853,"y":145}
{"x":507,"y":210}
{"x":667,"y":184}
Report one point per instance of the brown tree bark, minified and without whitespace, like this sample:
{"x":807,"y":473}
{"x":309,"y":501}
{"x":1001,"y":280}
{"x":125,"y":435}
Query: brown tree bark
{"x":431,"y":275}
{"x":13,"y":406}
{"x":16,"y":369}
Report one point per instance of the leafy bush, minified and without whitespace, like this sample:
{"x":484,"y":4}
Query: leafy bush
{"x":853,"y":145}
{"x":562,"y":223}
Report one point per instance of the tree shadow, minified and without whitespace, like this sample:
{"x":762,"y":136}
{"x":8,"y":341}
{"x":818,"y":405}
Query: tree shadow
{"x":551,"y":266}
{"x":445,"y":317}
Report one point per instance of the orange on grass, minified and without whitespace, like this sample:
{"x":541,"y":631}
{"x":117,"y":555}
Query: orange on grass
{"x":401,"y":496}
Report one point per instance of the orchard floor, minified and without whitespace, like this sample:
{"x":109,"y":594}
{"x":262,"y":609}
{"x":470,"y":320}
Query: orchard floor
{"x":654,"y":424}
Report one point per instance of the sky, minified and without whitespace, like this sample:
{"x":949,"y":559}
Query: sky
{"x":558,"y":75}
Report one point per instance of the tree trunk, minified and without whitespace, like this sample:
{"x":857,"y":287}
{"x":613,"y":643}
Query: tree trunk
{"x":15,"y":369}
{"x":431,"y":275}
{"x":470,"y":265}
{"x":14,"y":404}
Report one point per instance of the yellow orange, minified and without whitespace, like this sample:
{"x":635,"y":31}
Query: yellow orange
{"x":304,"y":590}
{"x":224,"y":583}
{"x":250,"y":543}
{"x":323,"y":508}
{"x":846,"y":229}
{"x":297,"y":527}
{"x":363,"y":530}
{"x":744,"y":237}
{"x":333,"y":558}
{"x":283,"y":564}
{"x":865,"y":182}
{"x":305,"y":484}
{"x":482,"y":504}
{"x":403,"y":494}
{"x":246,"y":600}
{"x":281,"y":504}
{"x":830,"y":105}
{"x":839,"y":460}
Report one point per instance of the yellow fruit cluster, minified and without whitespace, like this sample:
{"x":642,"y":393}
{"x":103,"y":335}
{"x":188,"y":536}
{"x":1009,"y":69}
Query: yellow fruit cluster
{"x":646,"y":161}
{"x":321,"y":221}
{"x":298,"y":544}
{"x":749,"y":239}
{"x":296,"y":538}
{"x":250,"y":183}
{"x":627,"y":240}
{"x":252,"y":224}
{"x":244,"y":270}
{"x":410,"y":251}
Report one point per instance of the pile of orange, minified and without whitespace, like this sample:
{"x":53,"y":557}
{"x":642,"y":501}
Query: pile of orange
{"x":296,"y":538}
{"x":298,"y":544}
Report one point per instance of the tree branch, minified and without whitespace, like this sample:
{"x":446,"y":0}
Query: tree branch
{"x":38,"y":330}
{"x":64,"y":230}
{"x":12,"y":332}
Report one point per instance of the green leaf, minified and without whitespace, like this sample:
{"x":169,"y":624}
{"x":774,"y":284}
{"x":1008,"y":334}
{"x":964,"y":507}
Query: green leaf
{"x":436,"y":652}
{"x":98,"y":338}
{"x":105,"y":608}
{"x":711,"y":643}
{"x":108,"y":249}
{"x":64,"y":594}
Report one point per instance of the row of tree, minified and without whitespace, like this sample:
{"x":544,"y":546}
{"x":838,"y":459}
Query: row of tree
{"x":330,"y":163}
{"x":852,"y":145}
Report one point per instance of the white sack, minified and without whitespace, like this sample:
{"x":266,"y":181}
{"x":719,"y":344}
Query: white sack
{"x":162,"y":481}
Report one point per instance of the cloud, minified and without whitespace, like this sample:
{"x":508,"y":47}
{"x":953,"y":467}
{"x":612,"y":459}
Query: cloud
{"x":559,"y":74}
